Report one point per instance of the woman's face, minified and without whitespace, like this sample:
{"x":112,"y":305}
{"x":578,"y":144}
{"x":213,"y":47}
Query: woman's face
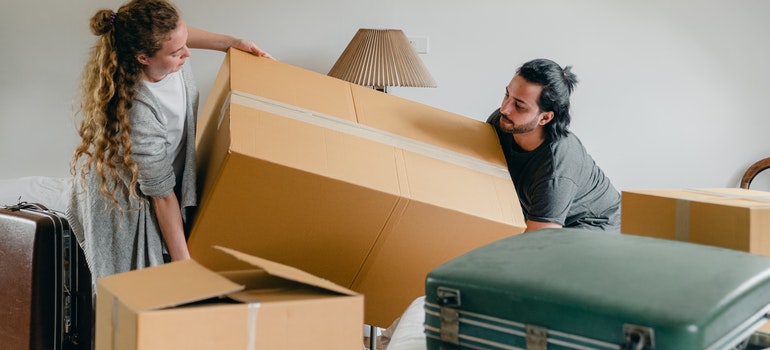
{"x":171,"y":56}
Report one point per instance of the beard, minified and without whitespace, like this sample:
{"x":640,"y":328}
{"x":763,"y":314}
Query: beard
{"x":517,"y":128}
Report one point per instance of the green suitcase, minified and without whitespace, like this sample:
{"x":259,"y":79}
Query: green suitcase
{"x":577,"y":289}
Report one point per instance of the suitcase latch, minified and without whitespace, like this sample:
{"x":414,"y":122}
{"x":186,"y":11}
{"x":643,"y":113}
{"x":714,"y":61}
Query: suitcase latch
{"x":638,"y":337}
{"x":448,"y":299}
{"x":537,"y":338}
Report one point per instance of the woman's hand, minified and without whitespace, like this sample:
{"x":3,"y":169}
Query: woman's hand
{"x":251,"y":47}
{"x":200,"y":39}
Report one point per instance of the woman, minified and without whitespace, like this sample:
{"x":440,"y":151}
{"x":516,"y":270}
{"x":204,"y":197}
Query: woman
{"x":134,"y":182}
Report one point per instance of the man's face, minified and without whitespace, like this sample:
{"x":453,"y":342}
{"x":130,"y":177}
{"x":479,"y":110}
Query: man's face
{"x":520,"y":112}
{"x":171,"y":56}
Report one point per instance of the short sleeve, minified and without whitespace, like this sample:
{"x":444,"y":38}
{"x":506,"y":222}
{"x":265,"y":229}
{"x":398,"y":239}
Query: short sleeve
{"x":551,"y":200}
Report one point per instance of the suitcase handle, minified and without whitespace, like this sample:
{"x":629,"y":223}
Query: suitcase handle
{"x":26,"y":205}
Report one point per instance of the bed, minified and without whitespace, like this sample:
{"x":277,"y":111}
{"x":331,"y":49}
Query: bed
{"x":52,"y":192}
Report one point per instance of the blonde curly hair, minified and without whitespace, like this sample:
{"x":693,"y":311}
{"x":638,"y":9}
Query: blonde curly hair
{"x":108,"y":87}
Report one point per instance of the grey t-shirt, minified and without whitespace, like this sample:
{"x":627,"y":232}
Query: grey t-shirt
{"x":559,"y":182}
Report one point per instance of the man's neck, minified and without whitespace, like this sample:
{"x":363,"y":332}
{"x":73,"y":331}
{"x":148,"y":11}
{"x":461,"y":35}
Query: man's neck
{"x":530,"y":141}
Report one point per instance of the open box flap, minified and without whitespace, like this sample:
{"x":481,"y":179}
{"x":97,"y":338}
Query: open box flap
{"x":287,"y":272}
{"x":737,"y":197}
{"x":167,"y":285}
{"x":750,"y":198}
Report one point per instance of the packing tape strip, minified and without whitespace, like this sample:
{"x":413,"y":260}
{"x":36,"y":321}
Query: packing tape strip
{"x":682,"y":216}
{"x":363,"y":131}
{"x":682,"y":229}
{"x":115,"y":321}
{"x":252,"y":324}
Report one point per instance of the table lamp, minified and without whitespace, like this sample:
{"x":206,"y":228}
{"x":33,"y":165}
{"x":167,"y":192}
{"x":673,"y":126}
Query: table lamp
{"x":379,"y":58}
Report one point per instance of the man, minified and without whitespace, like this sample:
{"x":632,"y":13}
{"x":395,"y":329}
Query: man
{"x":557,"y":181}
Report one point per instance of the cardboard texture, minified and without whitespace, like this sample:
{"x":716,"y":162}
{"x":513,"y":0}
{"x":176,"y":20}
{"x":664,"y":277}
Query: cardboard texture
{"x":183,"y":305}
{"x":725,"y":217}
{"x":366,"y":189}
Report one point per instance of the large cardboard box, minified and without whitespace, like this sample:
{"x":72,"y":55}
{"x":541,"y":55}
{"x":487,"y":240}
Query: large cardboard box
{"x":725,"y":217}
{"x":183,"y":305}
{"x":366,"y":189}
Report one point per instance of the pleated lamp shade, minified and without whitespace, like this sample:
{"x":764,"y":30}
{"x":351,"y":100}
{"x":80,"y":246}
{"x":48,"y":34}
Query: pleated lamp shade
{"x":379,"y":58}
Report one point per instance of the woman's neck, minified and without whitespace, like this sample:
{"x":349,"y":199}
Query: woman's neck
{"x":152,"y":78}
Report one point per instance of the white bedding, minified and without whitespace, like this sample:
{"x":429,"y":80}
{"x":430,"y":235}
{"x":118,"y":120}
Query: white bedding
{"x":408,"y":333}
{"x":52,"y":192}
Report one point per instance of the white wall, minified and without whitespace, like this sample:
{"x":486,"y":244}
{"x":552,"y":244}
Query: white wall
{"x":671,"y":93}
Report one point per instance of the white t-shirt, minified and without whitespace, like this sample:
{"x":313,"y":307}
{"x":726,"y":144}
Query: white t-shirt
{"x":171,"y":95}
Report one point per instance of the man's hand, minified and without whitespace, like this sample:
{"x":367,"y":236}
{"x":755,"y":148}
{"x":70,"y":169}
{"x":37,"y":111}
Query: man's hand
{"x":535,"y":225}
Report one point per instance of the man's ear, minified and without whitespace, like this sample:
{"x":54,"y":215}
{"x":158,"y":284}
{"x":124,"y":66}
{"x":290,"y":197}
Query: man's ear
{"x":545,"y":118}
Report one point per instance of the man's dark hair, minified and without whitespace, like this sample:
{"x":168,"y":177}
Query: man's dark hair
{"x":557,"y":86}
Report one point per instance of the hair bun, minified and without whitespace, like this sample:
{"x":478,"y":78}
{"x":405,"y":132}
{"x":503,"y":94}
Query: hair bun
{"x":101,"y":22}
{"x":569,"y":78}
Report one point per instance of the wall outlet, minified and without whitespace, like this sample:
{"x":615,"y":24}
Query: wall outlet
{"x":419,"y":43}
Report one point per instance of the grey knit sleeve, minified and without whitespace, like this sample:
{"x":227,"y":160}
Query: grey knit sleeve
{"x":149,"y":141}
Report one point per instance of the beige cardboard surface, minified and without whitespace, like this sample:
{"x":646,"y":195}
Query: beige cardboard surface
{"x":371,"y":199}
{"x":287,"y":272}
{"x":291,"y":85}
{"x":279,"y":213}
{"x":277,"y":310}
{"x":725,"y":217}
{"x":303,"y":325}
{"x":416,"y":121}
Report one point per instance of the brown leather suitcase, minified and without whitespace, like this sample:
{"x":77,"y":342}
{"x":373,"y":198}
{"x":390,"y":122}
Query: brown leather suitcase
{"x":45,"y":283}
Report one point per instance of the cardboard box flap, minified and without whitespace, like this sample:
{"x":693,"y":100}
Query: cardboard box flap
{"x":728,"y":196}
{"x":287,"y":272}
{"x":759,"y":198}
{"x":674,"y":194}
{"x":289,"y":84}
{"x":173,"y":284}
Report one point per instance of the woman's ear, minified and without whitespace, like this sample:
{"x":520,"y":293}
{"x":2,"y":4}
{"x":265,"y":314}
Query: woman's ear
{"x":143,"y":59}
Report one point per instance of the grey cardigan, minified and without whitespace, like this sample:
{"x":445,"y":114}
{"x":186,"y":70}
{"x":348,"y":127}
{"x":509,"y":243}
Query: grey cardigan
{"x":126,"y":236}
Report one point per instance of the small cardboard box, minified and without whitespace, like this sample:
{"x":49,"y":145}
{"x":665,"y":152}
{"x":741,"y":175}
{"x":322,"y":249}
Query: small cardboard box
{"x":366,"y":189}
{"x":725,"y":217}
{"x":183,"y":305}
